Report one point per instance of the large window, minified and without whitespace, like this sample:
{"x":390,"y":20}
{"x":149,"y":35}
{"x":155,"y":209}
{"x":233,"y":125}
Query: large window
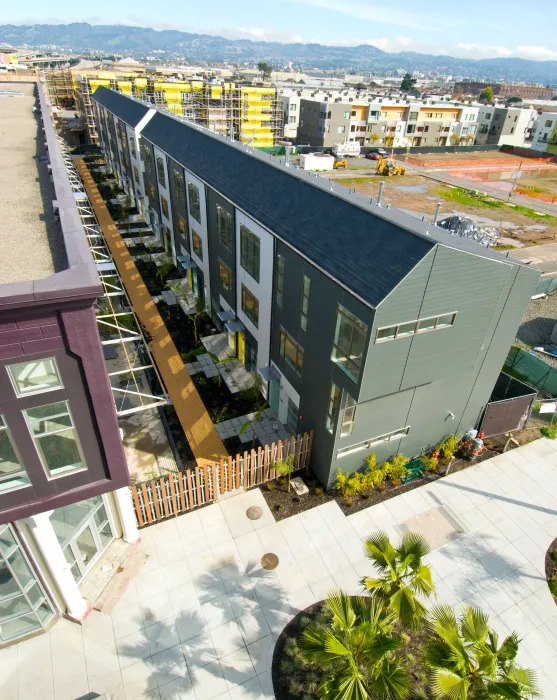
{"x":182,"y":226}
{"x":197,"y":244}
{"x":305,"y":303}
{"x":164,"y":207}
{"x":423,"y":325}
{"x":24,"y":607}
{"x":332,"y":411}
{"x":179,"y":187}
{"x":160,"y":172}
{"x":249,"y":252}
{"x":292,"y":416}
{"x":348,"y":416}
{"x":12,"y":472}
{"x":193,"y":196}
{"x":55,"y":438}
{"x":35,"y":377}
{"x":225,"y":274}
{"x":349,"y":343}
{"x":291,"y":352}
{"x":225,"y":227}
{"x":250,"y":306}
{"x":280,"y":280}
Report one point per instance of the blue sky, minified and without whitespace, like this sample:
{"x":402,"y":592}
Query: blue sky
{"x":475,"y":29}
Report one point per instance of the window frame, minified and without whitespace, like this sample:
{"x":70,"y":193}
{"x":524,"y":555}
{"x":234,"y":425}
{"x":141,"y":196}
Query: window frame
{"x":245,"y":292}
{"x":250,"y":243}
{"x":348,"y":415}
{"x":4,"y":429}
{"x":165,"y":211}
{"x":343,"y":312}
{"x":333,"y":407}
{"x":194,"y":201}
{"x":227,"y":241}
{"x":225,"y":273}
{"x":371,"y":442}
{"x":38,"y":391}
{"x":298,"y":366}
{"x":416,"y":322}
{"x":179,"y":185}
{"x":195,"y":237}
{"x":36,"y":438}
{"x":304,"y":306}
{"x":161,"y":176}
{"x":279,"y":280}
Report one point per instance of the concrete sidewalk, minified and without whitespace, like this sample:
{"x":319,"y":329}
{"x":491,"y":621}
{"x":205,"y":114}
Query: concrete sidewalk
{"x":201,"y":619}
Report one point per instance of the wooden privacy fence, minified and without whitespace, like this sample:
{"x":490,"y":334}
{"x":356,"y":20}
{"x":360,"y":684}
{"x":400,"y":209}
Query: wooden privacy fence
{"x":175,"y":494}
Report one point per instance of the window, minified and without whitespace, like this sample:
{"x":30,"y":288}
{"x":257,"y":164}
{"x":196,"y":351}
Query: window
{"x":332,"y":411}
{"x":293,"y":107}
{"x":225,"y":228}
{"x":428,"y":115}
{"x":426,"y":128}
{"x":291,"y":352}
{"x":152,"y":192}
{"x":280,"y":280}
{"x":132,"y":147}
{"x":197,"y":244}
{"x":250,"y":306}
{"x":367,"y":444}
{"x":182,"y":226}
{"x":548,"y":122}
{"x":347,"y":115}
{"x":348,"y":416}
{"x":249,"y":252}
{"x":55,"y":438}
{"x":179,"y":187}
{"x":431,"y":323}
{"x":164,"y":207}
{"x":12,"y":472}
{"x":136,"y":174}
{"x":193,"y":196}
{"x":341,"y":129}
{"x":383,"y":114}
{"x":225,"y":274}
{"x":292,"y":120}
{"x":292,"y":415}
{"x":305,"y":303}
{"x":413,"y":116}
{"x":512,"y":130}
{"x":35,"y":377}
{"x":160,"y":172}
{"x":349,"y":342}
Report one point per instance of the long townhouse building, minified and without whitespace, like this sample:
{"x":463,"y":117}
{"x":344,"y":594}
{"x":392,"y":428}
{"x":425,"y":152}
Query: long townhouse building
{"x":377,"y":331}
{"x":510,"y":126}
{"x":63,"y":473}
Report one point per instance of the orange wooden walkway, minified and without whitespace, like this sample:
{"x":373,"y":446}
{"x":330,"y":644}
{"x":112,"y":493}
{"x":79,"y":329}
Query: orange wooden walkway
{"x":200,"y":432}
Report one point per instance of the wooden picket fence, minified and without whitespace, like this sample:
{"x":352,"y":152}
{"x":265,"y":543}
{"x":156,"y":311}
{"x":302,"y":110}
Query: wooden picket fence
{"x":176,"y":494}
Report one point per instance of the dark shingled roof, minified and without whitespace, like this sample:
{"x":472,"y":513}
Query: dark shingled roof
{"x":367,"y":249}
{"x":129,"y":111}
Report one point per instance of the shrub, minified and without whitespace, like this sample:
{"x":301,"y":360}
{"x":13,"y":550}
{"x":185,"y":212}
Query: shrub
{"x":549,"y":432}
{"x":396,"y":470}
{"x":318,"y":491}
{"x":431,"y":463}
{"x":271,"y":486}
{"x":350,"y":485}
{"x":279,"y":507}
{"x":553,"y":556}
{"x":448,"y":447}
{"x":370,"y":461}
{"x":553,"y":587}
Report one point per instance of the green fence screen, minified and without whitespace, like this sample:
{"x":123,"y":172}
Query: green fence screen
{"x":529,"y":368}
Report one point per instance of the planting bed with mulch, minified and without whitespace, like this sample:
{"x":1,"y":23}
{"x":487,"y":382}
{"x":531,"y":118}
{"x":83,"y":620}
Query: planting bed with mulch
{"x":234,"y":446}
{"x":283,"y":503}
{"x":284,"y":672}
{"x":141,"y":249}
{"x":551,"y":568}
{"x":179,"y":438}
{"x":221,"y":404}
{"x":148,"y":272}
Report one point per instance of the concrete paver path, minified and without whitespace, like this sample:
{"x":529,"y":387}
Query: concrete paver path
{"x":201,"y":619}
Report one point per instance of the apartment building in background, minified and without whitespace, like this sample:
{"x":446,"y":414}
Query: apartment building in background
{"x":63,"y":474}
{"x":473,"y":88}
{"x":544,"y":137}
{"x":511,"y":126}
{"x":376,"y":330}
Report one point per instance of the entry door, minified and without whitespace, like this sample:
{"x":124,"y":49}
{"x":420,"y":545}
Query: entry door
{"x":251,"y":358}
{"x":197,"y":279}
{"x":86,"y":546}
{"x":241,"y":346}
{"x":274,"y":395}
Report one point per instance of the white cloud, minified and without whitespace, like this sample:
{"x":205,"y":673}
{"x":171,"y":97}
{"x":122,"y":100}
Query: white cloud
{"x":382,"y":14}
{"x":536,"y":53}
{"x":482,"y":51}
{"x":258,"y":33}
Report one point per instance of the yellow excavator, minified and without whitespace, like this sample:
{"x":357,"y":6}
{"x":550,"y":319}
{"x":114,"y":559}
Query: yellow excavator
{"x":388,"y":167}
{"x":340,"y":164}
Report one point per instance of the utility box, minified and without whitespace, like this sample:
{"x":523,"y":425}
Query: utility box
{"x":317,"y":161}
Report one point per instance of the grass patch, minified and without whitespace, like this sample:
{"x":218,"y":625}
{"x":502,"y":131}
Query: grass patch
{"x":504,"y":246}
{"x":356,"y":180}
{"x":458,"y":195}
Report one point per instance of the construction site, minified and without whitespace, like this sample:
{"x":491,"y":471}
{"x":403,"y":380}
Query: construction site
{"x":247,"y":113}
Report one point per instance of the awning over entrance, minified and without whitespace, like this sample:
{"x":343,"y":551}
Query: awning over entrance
{"x":269,"y":373}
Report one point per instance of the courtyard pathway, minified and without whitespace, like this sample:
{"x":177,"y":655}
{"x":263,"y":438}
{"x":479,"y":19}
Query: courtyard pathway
{"x":201,"y":619}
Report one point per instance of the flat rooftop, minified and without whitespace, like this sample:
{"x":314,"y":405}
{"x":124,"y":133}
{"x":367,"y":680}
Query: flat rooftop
{"x":31,"y":245}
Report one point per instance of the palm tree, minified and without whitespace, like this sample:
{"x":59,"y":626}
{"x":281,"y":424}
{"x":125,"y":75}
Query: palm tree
{"x":253,"y":423}
{"x":402,"y":575}
{"x":199,"y":311}
{"x":467,"y":663}
{"x":356,"y":652}
{"x":217,"y":360}
{"x":177,"y":289}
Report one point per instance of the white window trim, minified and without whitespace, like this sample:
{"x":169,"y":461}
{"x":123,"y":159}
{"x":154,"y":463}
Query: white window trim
{"x":417,"y":331}
{"x":37,"y":391}
{"x":4,"y":427}
{"x":367,"y":444}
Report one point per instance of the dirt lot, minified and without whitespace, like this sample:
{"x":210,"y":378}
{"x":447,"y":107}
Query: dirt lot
{"x":418,"y":195}
{"x":476,"y":158}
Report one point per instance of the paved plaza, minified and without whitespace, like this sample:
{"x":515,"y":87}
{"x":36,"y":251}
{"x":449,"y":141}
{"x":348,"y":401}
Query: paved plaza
{"x":200,"y":620}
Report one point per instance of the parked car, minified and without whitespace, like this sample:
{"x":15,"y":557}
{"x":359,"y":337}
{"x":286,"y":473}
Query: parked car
{"x":377,"y":152}
{"x":373,"y":156}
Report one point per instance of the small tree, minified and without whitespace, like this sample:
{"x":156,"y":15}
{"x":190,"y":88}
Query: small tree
{"x":402,"y":575}
{"x":374,"y":138}
{"x":408,"y":82}
{"x":194,"y":318}
{"x":286,"y":468}
{"x":176,"y":288}
{"x":164,"y":269}
{"x":486,"y":95}
{"x":151,"y":247}
{"x":216,"y":359}
{"x":265,"y":69}
{"x":252,"y":423}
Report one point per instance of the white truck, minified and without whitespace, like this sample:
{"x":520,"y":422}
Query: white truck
{"x":348,"y":148}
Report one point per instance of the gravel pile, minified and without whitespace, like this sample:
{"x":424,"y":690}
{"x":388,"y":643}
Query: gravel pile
{"x":538,"y":323}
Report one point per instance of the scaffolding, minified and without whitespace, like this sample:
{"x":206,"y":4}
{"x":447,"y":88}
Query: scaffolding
{"x":84,"y":103}
{"x":59,"y":87}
